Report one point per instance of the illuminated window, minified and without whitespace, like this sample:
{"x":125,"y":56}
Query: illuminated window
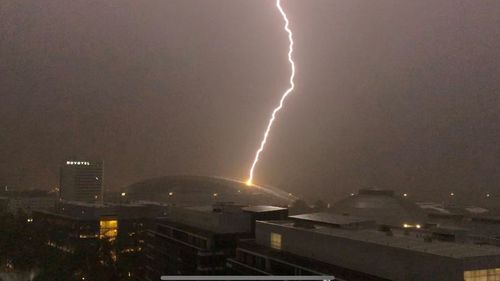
{"x":276,"y":241}
{"x":492,"y":274}
{"x":108,"y":229}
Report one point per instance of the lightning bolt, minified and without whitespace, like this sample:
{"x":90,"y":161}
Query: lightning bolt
{"x":283,"y":97}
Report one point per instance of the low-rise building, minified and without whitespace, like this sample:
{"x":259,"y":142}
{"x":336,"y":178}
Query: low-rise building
{"x":198,"y":240}
{"x":28,"y":204}
{"x":76,"y":227}
{"x":333,"y":246}
{"x":27,"y":201}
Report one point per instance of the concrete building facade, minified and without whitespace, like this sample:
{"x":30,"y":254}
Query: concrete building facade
{"x":198,"y":240}
{"x":319,"y":246}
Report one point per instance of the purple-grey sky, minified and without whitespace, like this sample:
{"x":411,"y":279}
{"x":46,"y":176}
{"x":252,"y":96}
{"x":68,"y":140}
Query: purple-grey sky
{"x":393,"y":94}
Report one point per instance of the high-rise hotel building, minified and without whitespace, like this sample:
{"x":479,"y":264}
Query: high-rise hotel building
{"x":81,"y":181}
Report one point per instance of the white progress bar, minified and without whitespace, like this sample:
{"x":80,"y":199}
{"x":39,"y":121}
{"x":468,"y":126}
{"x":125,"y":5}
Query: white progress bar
{"x":243,"y":278}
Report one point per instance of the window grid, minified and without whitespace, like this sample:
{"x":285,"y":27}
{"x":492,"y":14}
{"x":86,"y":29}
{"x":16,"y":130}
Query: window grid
{"x":492,"y":274}
{"x":276,"y":241}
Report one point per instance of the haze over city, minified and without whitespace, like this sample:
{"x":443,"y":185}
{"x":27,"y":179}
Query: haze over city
{"x":348,"y":140}
{"x":392,"y":94}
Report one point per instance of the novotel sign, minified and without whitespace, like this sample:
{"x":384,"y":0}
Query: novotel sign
{"x":78,"y":163}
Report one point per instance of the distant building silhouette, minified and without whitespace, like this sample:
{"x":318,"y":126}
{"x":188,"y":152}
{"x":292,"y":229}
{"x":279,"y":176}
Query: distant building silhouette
{"x":27,"y":201}
{"x":81,"y":181}
{"x":380,"y":205}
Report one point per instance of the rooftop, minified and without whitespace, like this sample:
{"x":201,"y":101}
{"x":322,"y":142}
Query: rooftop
{"x":262,"y":209}
{"x":446,"y":249}
{"x":82,"y":204}
{"x":218,"y":218}
{"x":328,"y":218}
{"x":89,"y":211}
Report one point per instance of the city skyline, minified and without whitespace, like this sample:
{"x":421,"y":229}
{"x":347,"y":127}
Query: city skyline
{"x":349,"y":140}
{"x":393,"y":95}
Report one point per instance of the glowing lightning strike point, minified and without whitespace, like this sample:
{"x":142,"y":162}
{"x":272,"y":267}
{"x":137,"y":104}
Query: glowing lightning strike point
{"x":283,"y":98}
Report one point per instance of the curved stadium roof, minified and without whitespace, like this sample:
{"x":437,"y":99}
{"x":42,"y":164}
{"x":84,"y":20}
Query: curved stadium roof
{"x":203,"y":190}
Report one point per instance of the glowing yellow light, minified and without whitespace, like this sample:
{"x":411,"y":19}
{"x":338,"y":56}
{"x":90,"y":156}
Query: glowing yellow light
{"x":108,"y":229}
{"x":406,"y":225}
{"x":275,"y":241}
{"x":283,"y":97}
{"x":248,"y":182}
{"x":417,"y":226}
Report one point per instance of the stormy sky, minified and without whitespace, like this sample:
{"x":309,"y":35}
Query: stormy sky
{"x":390,"y":94}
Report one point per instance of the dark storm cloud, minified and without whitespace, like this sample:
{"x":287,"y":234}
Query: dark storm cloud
{"x":396,"y":94}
